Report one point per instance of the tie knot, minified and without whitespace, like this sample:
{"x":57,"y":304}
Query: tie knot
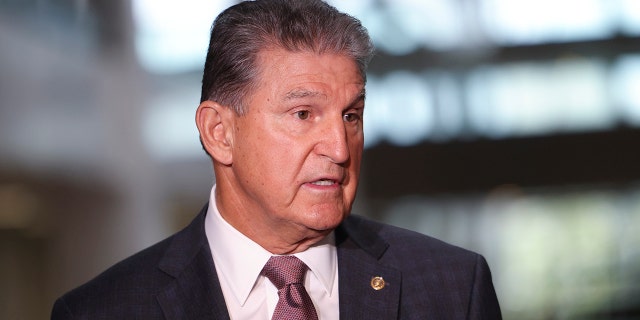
{"x":284,"y":270}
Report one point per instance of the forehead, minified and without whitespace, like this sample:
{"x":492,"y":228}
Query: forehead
{"x":307,"y":74}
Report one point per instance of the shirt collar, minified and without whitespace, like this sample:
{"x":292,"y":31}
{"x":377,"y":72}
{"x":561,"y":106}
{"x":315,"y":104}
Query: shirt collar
{"x":322,"y":260}
{"x":240,"y":260}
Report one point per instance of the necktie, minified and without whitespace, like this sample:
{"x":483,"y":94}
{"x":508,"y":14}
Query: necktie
{"x":287,"y":274}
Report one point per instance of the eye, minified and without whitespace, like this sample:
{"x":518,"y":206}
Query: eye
{"x":303,"y":114}
{"x":351,"y":117}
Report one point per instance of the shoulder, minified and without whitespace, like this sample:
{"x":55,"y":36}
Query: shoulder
{"x":129,"y":288}
{"x":438,"y":280}
{"x":132,"y":271}
{"x":136,"y":278}
{"x":406,"y":247}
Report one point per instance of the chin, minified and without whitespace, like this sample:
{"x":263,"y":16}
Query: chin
{"x":326,"y":221}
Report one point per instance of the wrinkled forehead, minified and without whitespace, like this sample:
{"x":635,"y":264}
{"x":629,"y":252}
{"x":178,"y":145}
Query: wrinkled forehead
{"x":270,"y":52}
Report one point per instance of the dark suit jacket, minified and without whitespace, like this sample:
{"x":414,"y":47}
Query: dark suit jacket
{"x":176,"y":279}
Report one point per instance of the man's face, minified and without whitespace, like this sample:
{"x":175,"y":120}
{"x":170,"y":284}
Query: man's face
{"x":297,"y":150}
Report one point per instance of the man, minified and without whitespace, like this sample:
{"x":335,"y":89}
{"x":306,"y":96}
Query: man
{"x":281,"y":117}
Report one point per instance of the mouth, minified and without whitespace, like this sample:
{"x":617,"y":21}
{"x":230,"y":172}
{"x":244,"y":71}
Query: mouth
{"x":324,"y":182}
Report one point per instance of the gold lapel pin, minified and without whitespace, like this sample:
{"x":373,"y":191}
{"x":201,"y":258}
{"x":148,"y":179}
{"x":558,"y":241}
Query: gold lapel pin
{"x":377,"y":283}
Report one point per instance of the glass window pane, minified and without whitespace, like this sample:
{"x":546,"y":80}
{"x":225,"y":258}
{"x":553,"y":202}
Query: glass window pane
{"x":399,"y":109}
{"x":626,"y":88}
{"x":172,"y":36}
{"x":630,"y":16}
{"x":519,"y":22}
{"x":532,"y":99}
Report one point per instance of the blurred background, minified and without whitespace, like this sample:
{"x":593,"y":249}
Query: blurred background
{"x":509,"y":127}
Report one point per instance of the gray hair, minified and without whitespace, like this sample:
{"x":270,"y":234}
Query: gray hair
{"x":240,"y":32}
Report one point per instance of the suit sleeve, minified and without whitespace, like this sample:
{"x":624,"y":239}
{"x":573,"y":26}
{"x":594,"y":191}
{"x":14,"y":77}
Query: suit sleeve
{"x":484,"y":302}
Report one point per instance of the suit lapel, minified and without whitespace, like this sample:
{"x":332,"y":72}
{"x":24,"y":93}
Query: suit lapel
{"x":359,"y":251}
{"x":195,"y":292}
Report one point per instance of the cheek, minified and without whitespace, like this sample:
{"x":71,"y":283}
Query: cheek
{"x":356,"y":150}
{"x":277,"y":161}
{"x":354,"y":165}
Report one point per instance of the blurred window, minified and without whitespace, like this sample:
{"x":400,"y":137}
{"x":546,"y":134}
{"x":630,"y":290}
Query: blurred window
{"x":626,"y":88}
{"x":172,"y":36}
{"x":540,"y":21}
{"x":533,"y":99}
{"x":487,"y":98}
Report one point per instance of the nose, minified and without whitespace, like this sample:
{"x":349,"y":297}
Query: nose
{"x":333,"y":141}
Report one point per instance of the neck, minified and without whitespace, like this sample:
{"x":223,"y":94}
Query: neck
{"x":276,"y":236}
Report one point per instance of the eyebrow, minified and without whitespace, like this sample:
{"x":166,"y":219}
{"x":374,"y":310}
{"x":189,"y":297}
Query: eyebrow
{"x":301,"y":93}
{"x":361,"y":96}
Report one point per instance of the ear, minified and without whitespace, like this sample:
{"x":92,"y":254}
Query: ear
{"x":215,"y":124}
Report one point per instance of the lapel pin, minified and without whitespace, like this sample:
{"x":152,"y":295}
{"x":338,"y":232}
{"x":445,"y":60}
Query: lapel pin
{"x":377,"y":283}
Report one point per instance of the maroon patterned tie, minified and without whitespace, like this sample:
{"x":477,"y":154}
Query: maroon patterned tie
{"x":287,"y":274}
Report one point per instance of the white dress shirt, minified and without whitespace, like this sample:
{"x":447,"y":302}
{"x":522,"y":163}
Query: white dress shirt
{"x":239,"y":261}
